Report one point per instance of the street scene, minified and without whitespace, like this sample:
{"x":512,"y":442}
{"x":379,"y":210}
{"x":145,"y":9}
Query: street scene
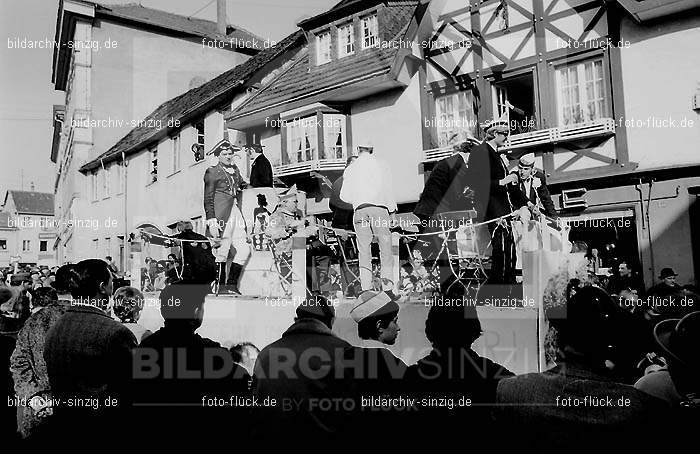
{"x":351,"y":219}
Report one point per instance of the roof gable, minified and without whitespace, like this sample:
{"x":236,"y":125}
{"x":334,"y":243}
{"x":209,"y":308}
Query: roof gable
{"x":30,"y":202}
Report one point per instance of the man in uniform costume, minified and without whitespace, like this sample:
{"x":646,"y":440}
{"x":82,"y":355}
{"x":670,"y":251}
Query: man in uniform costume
{"x":496,"y":196}
{"x":222,"y":186}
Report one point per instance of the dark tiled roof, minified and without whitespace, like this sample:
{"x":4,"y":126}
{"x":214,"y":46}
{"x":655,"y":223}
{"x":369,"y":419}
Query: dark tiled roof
{"x":299,"y":80}
{"x":194,"y":102}
{"x":29,"y":202}
{"x":176,"y":22}
{"x":302,"y":80}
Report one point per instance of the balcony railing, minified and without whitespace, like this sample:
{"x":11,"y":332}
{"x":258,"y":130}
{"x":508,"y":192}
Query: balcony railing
{"x":297,"y":168}
{"x":600,"y":127}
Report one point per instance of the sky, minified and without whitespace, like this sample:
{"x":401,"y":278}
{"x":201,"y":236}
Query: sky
{"x":26,"y":92}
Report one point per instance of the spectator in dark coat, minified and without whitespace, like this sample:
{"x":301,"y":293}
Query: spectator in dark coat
{"x":577,"y":405}
{"x":28,"y":365}
{"x":453,"y":374}
{"x":301,"y":368}
{"x":8,"y":339}
{"x":88,"y":355}
{"x":178,"y":375}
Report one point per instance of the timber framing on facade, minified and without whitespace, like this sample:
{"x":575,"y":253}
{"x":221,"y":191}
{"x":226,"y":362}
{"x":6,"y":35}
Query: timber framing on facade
{"x":484,"y":49}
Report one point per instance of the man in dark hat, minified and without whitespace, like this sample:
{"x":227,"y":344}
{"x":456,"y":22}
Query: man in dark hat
{"x":667,"y":286}
{"x":222,"y":185}
{"x":445,"y":191}
{"x":532,"y":184}
{"x":495,"y":196}
{"x":260,"y":169}
{"x":198,"y":261}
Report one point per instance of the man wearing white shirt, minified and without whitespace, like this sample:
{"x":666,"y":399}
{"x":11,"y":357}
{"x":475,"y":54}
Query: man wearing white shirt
{"x":367,"y":186}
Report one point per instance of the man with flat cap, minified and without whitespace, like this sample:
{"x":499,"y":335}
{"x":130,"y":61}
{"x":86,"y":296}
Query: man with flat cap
{"x":223,"y":184}
{"x":532,"y":184}
{"x":260,"y":169}
{"x":495,"y":196}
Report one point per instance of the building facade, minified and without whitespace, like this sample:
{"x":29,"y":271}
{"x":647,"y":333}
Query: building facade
{"x":27,"y":229}
{"x":116,"y":64}
{"x":580,"y":82}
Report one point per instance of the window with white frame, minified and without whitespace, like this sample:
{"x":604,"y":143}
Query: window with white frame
{"x":96,"y":248}
{"x":106,"y":183}
{"x":94,"y":186}
{"x":26,"y":245}
{"x":43,"y":245}
{"x":581,"y":94}
{"x":119,"y":168}
{"x":108,"y":246}
{"x":152,"y":176}
{"x":346,"y":40}
{"x":3,"y":245}
{"x":302,"y":140}
{"x":334,"y":139}
{"x":323,"y":48}
{"x":455,"y":117}
{"x":176,"y":153}
{"x":199,"y":135}
{"x":370,"y":31}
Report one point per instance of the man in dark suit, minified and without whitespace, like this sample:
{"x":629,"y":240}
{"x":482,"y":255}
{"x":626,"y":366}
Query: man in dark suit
{"x":532,"y":184}
{"x":261,"y":169}
{"x":222,"y":185}
{"x":443,"y":192}
{"x":495,"y":197}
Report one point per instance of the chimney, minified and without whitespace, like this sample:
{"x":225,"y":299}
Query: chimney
{"x":221,"y":16}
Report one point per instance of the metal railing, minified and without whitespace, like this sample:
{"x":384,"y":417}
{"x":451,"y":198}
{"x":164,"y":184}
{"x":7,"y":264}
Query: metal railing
{"x":602,"y":126}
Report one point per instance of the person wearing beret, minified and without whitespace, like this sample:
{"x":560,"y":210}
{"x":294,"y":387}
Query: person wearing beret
{"x":495,"y":196}
{"x":444,"y":191}
{"x":372,"y":367}
{"x":261,"y":169}
{"x":532,"y":184}
{"x":222,"y":185}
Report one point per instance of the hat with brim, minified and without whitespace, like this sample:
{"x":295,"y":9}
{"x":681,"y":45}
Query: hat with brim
{"x":373,"y":304}
{"x":667,"y":272}
{"x":221,"y":146}
{"x":527,"y":160}
{"x":365,"y":144}
{"x":680,"y":338}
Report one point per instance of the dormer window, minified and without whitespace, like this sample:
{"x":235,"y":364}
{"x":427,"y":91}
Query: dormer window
{"x":323,"y":48}
{"x":370,"y":31}
{"x":346,"y":40}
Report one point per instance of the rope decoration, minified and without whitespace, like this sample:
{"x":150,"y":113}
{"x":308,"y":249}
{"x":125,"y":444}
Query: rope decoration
{"x":148,"y":235}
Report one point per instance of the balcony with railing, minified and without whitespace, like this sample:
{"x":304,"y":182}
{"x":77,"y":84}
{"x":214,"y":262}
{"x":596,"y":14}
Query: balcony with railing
{"x":597,"y":128}
{"x":296,"y":168}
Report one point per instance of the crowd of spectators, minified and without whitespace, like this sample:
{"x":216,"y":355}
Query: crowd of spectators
{"x":77,"y":357}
